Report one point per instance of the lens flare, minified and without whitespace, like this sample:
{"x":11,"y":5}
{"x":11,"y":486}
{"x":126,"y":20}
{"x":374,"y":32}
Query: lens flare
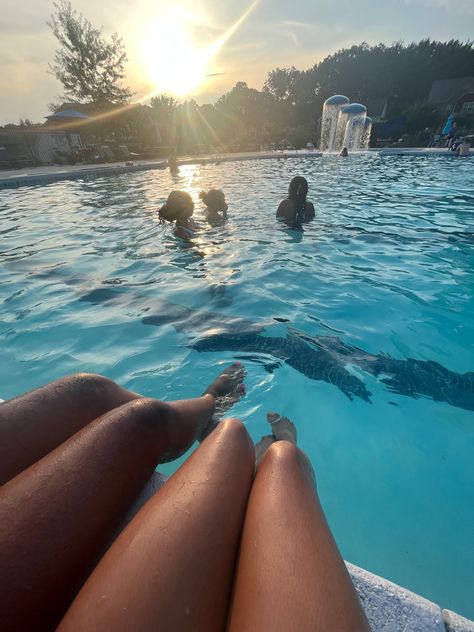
{"x":174,"y":63}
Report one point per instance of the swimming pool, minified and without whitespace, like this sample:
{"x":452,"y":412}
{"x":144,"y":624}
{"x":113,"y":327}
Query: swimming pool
{"x":386,"y":269}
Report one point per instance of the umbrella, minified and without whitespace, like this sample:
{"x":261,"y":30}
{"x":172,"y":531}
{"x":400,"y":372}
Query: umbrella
{"x":448,"y":125}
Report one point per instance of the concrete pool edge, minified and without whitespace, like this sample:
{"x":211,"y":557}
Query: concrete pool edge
{"x":392,"y":608}
{"x":32,"y":176}
{"x":388,"y":606}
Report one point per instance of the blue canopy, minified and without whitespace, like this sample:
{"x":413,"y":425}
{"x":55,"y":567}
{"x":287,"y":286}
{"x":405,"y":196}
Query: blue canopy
{"x":448,"y":125}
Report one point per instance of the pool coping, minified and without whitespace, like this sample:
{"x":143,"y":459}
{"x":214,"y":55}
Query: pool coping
{"x":31,"y":176}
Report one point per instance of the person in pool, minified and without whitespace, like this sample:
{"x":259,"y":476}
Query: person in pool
{"x":344,"y":153}
{"x":178,"y":209}
{"x":216,"y":206}
{"x":296,"y":209}
{"x":223,"y":544}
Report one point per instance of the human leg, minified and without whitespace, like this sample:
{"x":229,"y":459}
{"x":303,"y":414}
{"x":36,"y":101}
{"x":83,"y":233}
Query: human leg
{"x":58,"y":515}
{"x":37,"y":422}
{"x":171,"y":568}
{"x":282,"y":430}
{"x":290,"y":575}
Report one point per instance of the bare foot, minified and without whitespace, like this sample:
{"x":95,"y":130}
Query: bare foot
{"x":282,"y":428}
{"x":262,"y":446}
{"x":226,"y":383}
{"x":227,"y":389}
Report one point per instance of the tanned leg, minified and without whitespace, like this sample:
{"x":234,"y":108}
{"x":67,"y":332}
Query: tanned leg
{"x":59,"y":514}
{"x":36,"y":423}
{"x":290,"y":576}
{"x":171,"y":568}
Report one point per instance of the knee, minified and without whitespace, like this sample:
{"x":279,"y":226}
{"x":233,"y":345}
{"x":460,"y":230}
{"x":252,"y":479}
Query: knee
{"x":283,"y":452}
{"x":92,"y":385}
{"x":234,"y":432}
{"x":283,"y":455}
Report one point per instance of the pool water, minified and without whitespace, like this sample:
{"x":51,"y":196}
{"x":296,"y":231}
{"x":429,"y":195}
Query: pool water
{"x":386,"y":269}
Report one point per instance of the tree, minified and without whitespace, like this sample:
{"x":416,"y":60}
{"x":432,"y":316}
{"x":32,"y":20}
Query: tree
{"x":163,"y":103}
{"x":401,"y":73}
{"x":421,"y":116}
{"x":163,"y":111}
{"x":90,"y":69}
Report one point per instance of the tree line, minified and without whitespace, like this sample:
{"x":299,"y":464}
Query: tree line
{"x":289,"y":105}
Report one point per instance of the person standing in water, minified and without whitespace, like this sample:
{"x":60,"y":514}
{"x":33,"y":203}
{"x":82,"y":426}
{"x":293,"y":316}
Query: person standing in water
{"x":178,"y":209}
{"x":172,"y":163}
{"x":296,"y":209}
{"x":344,"y":153}
{"x":216,"y":206}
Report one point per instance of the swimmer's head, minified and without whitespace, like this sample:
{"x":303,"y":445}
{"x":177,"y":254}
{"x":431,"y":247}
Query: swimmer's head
{"x":298,"y":188}
{"x":214,"y":199}
{"x":178,"y":206}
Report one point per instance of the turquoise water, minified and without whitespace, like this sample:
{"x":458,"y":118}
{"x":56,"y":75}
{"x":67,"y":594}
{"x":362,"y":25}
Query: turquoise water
{"x":387,"y":266}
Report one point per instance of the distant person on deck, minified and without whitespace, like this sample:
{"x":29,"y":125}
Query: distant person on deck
{"x":295,"y":209}
{"x":216,"y":206}
{"x":344,"y":153}
{"x":463,"y":148}
{"x":178,"y":209}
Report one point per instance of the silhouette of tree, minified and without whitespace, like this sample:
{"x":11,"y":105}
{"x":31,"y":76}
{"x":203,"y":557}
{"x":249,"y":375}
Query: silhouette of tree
{"x":90,"y":69}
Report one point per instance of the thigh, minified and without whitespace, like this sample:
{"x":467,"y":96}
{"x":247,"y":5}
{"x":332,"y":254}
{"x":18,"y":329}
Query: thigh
{"x":290,"y":575}
{"x":36,"y":423}
{"x":171,"y":569}
{"x":59,"y":514}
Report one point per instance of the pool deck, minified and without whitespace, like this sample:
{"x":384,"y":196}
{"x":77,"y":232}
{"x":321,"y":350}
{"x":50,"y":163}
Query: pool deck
{"x":30,"y":176}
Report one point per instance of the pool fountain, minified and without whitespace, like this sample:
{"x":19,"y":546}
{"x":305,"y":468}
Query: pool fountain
{"x":331,"y":110}
{"x":350,"y":126}
{"x":365,"y":135}
{"x":344,"y":124}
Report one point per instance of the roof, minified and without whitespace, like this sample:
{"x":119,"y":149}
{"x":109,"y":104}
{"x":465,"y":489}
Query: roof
{"x":66,"y":114}
{"x":447,"y":91}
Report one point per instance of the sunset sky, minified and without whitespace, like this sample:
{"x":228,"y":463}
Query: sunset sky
{"x":175,"y":46}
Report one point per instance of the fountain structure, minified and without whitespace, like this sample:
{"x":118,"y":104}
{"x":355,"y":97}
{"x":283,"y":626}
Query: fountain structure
{"x":365,"y":136}
{"x":344,"y":124}
{"x":331,"y":110}
{"x":350,"y":126}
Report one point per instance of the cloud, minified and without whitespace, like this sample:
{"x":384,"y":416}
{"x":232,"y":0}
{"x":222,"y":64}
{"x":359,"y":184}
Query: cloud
{"x":464,"y":7}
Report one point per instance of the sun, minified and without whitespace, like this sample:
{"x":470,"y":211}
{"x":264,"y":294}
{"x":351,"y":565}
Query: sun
{"x":174,"y":63}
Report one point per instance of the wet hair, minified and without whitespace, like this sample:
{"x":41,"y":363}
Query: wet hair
{"x":178,"y":202}
{"x":297,"y":191}
{"x":212,"y":197}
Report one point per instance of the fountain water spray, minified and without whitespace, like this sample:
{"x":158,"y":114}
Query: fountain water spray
{"x":331,"y":109}
{"x":350,"y":126}
{"x":365,"y":136}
